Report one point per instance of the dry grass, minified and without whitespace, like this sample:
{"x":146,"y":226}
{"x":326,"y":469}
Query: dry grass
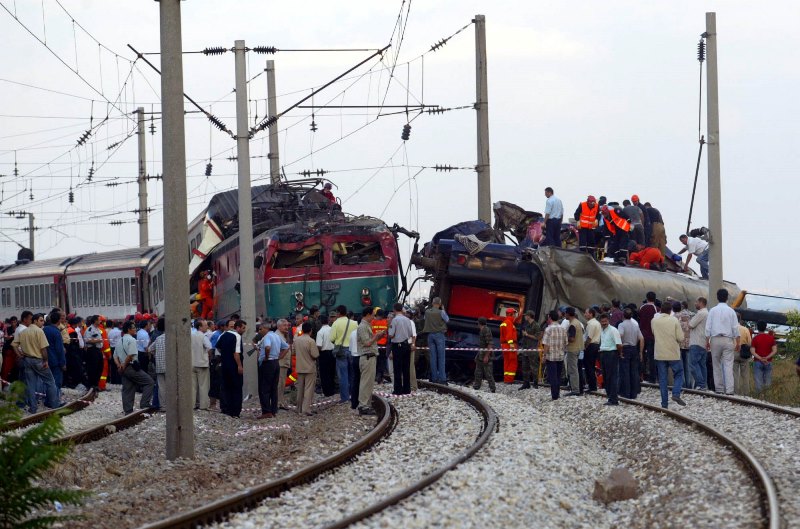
{"x":785,"y":388}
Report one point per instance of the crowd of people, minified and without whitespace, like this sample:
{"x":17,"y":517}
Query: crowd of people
{"x":619,"y":346}
{"x":631,"y":233}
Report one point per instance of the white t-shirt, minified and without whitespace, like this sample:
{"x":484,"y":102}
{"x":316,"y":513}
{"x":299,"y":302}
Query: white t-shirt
{"x":354,"y":344}
{"x":17,"y":332}
{"x":696,"y":246}
{"x":324,"y":338}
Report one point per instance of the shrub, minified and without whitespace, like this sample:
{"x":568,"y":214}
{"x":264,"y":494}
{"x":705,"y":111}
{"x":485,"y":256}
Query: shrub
{"x":24,"y":459}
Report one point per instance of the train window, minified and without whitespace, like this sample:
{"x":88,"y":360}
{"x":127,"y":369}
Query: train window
{"x":352,"y":253}
{"x":120,"y":287}
{"x":43,"y":290}
{"x":160,"y":285}
{"x":54,"y":296}
{"x":90,"y":298}
{"x":108,"y":292}
{"x":84,"y":293}
{"x":102,"y":291}
{"x":73,"y":298}
{"x":308,"y":256}
{"x":113,"y":291}
{"x":134,"y":292}
{"x":37,"y":298}
{"x":96,"y":296}
{"x":16,"y":297}
{"x":127,"y":291}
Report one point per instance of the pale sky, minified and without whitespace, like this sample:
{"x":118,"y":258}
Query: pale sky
{"x":586,"y":97}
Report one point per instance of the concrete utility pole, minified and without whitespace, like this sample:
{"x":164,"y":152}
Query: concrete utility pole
{"x":272,"y":110}
{"x":714,"y":181}
{"x":30,"y":234}
{"x":142,"y":179}
{"x":247,"y":278}
{"x":180,"y":401}
{"x":482,"y":106}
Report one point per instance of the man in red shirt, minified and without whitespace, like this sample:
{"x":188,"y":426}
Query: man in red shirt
{"x":764,"y":348}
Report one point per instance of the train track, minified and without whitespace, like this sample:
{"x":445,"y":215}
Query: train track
{"x":248,"y":499}
{"x":75,"y":405}
{"x":734,"y":398}
{"x":100,"y":431}
{"x":770,"y":508}
{"x":388,"y":418}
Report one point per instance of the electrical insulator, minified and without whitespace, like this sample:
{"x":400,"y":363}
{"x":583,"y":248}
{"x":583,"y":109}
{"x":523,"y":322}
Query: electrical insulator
{"x":216,"y":50}
{"x":208,"y":169}
{"x":701,"y":50}
{"x":71,"y":196}
{"x":152,"y":127}
{"x":31,"y":196}
{"x":91,"y":173}
{"x":265,"y":49}
{"x":406,"y":132}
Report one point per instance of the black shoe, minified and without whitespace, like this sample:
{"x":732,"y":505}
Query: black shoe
{"x":678,"y":400}
{"x":535,"y":385}
{"x":366,"y":411}
{"x":492,"y":391}
{"x":572,"y":394}
{"x":524,"y":386}
{"x":609,"y":403}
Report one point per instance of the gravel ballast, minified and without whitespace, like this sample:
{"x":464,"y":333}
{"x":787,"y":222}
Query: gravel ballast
{"x":431,"y":429}
{"x":773,"y":438}
{"x":539,"y":471}
{"x":132,"y":483}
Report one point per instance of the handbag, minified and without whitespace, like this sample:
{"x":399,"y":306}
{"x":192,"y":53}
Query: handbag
{"x":338,"y":350}
{"x":744,"y":352}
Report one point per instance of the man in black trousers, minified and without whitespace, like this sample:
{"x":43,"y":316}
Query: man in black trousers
{"x":230,"y":347}
{"x":402,"y":334}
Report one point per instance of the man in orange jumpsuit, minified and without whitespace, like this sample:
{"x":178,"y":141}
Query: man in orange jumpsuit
{"x":648,"y":257}
{"x":508,"y":343}
{"x":205,"y":293}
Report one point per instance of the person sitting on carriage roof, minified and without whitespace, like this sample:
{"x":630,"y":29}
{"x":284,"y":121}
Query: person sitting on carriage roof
{"x":327,"y":193}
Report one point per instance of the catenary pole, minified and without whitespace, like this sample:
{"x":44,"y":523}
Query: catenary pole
{"x":142,"y":179}
{"x":482,"y":107}
{"x":272,"y":110}
{"x":30,"y":234}
{"x":247,"y":280}
{"x":180,"y":402}
{"x":714,"y":180}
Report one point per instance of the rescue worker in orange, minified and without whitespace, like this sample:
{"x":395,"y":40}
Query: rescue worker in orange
{"x":380,"y":323}
{"x":619,"y":227}
{"x":647,"y":257}
{"x":106,"y":350}
{"x":508,"y":343}
{"x":586,"y":215}
{"x":205,"y":294}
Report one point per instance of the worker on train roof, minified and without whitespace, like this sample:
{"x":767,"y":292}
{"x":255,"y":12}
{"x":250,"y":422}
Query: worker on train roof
{"x":510,"y":311}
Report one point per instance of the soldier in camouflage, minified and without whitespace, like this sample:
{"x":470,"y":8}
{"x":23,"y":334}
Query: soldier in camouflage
{"x":483,"y":360}
{"x":530,"y":332}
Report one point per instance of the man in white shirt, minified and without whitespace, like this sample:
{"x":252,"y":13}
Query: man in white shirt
{"x":201,"y":356}
{"x":722,"y":337}
{"x":695,"y":247}
{"x":553,"y":215}
{"x":327,"y":362}
{"x":402,"y":334}
{"x":355,"y":371}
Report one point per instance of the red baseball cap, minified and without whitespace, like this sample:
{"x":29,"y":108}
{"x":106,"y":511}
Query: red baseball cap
{"x":635,"y":198}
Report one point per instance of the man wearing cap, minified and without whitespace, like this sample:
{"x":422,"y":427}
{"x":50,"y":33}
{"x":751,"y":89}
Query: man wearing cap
{"x":586,"y":215}
{"x":508,"y":343}
{"x":553,"y":215}
{"x":635,"y":214}
{"x":529,"y":356}
{"x":619,"y":227}
{"x":327,"y":193}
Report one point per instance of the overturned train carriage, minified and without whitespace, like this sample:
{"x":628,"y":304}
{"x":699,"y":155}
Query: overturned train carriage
{"x":488,"y":278}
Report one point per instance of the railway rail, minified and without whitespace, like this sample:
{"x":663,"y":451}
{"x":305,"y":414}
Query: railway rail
{"x":75,"y":405}
{"x":388,"y":418}
{"x":770,"y":506}
{"x":100,"y":431}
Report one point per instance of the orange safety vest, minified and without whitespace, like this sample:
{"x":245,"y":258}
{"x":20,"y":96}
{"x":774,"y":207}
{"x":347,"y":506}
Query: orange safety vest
{"x":621,"y":223}
{"x":378,"y":326}
{"x":291,"y":378}
{"x":588,"y":218}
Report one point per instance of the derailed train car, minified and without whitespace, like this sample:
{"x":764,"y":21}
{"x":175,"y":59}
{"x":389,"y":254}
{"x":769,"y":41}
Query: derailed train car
{"x":478,"y":277}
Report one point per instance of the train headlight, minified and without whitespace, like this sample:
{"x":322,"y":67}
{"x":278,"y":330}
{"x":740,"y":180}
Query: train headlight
{"x":299,"y":304}
{"x":366,"y":297}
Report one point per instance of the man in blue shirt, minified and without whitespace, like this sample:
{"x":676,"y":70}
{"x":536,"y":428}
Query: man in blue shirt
{"x":553,"y":215}
{"x":271,"y":348}
{"x":56,"y":356}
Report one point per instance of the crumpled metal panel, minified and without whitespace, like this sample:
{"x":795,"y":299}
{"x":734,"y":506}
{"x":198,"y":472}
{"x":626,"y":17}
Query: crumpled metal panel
{"x":576,"y":279}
